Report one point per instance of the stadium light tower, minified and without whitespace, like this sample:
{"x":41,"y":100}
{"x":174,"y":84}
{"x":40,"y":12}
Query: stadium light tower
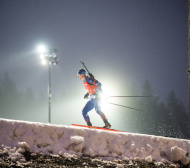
{"x":48,"y":57}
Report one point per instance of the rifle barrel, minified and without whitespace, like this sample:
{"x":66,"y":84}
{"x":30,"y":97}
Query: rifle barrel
{"x":87,"y":69}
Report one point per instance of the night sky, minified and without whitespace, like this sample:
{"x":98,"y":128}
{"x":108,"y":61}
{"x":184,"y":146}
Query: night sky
{"x":123,"y":41}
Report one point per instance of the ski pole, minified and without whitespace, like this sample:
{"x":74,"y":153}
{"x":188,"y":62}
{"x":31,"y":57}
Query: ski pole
{"x":131,"y":96}
{"x":87,"y":69}
{"x":127,"y":107}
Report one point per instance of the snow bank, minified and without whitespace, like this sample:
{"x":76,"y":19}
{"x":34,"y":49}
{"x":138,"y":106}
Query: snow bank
{"x":16,"y":137}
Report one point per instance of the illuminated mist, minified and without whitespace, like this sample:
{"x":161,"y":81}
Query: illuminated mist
{"x":167,"y":118}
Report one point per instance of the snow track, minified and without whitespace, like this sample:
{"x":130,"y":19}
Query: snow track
{"x":70,"y":141}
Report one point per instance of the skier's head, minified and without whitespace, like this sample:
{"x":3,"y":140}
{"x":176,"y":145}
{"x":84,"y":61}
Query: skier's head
{"x":81,"y":74}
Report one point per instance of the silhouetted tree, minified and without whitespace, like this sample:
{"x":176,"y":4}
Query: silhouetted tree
{"x":17,"y":105}
{"x":10,"y":97}
{"x":178,"y":115}
{"x":168,"y":119}
{"x":149,"y":122}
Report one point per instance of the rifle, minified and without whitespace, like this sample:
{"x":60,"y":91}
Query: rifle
{"x":87,"y":70}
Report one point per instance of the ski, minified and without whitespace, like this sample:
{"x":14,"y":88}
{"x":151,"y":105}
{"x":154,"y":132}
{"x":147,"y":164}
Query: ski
{"x":94,"y":127}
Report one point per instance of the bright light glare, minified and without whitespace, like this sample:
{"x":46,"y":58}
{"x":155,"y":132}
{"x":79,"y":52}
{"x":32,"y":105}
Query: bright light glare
{"x":44,"y":62}
{"x":41,"y":48}
{"x":106,"y":92}
{"x":104,"y":105}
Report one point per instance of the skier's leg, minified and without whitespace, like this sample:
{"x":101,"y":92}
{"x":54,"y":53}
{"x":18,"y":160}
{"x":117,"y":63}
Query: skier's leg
{"x":102,"y":115}
{"x":89,"y":106}
{"x":98,"y":109}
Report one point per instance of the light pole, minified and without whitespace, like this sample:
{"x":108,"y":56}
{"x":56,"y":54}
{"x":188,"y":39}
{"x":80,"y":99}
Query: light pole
{"x":49,"y":57}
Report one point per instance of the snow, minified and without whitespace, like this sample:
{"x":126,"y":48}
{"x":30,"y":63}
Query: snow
{"x":16,"y":137}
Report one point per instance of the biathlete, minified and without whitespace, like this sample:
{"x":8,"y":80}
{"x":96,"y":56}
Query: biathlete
{"x":93,"y":87}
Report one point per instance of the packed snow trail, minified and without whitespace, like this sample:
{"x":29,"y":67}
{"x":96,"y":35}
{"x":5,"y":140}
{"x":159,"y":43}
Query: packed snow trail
{"x":20,"y":136}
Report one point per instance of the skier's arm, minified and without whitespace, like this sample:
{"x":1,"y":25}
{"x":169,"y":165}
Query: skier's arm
{"x":99,"y":85}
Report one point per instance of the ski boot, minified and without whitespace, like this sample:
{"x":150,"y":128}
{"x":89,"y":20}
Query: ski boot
{"x":89,"y":123}
{"x":107,"y":124}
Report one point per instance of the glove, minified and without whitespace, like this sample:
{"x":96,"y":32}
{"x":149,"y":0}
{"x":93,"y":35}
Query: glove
{"x":86,"y":96}
{"x":93,"y":96}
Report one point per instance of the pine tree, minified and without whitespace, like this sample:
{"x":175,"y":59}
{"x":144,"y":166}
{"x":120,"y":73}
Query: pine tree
{"x":178,"y":115}
{"x":10,"y":97}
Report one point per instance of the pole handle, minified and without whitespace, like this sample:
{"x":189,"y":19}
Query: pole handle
{"x":132,"y":96}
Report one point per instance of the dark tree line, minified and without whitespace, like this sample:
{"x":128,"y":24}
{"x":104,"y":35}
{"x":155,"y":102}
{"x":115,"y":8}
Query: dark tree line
{"x":168,"y":118}
{"x":17,"y":105}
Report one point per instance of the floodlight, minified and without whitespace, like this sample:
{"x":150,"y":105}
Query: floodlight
{"x":42,"y":56}
{"x":41,"y":48}
{"x":44,"y":62}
